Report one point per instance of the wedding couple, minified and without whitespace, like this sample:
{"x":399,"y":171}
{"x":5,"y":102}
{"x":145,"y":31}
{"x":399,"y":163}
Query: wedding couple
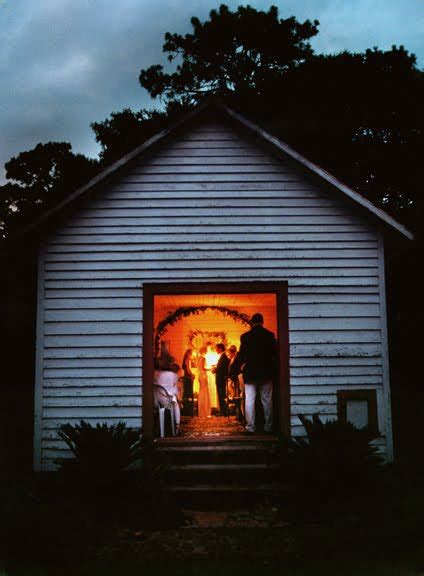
{"x":220,"y":371}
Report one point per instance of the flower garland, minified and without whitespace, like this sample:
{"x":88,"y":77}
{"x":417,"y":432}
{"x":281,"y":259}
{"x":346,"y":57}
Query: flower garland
{"x":219,"y":336}
{"x":184,"y":311}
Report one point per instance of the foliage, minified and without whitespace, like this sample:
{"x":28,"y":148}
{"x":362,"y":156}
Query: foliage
{"x":125,"y":130}
{"x":356,"y":114}
{"x":184,"y":311}
{"x":100,"y":450}
{"x":239,"y":51}
{"x":335,"y":462}
{"x":39,"y":178}
{"x":369,"y":138}
{"x":364,"y":123}
{"x":60,"y":520}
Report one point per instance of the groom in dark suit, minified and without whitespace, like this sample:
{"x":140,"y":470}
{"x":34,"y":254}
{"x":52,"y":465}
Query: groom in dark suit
{"x":221,"y":373}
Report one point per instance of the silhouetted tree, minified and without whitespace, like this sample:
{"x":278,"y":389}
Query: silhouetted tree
{"x":359,"y":116}
{"x":239,"y":51}
{"x":39,"y":178}
{"x":123,"y":131}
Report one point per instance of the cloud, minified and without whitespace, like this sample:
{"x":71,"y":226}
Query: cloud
{"x":64,"y":64}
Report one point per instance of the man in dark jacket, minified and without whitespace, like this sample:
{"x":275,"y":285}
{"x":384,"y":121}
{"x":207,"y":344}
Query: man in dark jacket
{"x":220,"y":372}
{"x":234,"y":384}
{"x":258,"y":352}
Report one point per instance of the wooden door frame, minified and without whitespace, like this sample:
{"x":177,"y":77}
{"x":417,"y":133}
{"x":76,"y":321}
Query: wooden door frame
{"x":280,"y":289}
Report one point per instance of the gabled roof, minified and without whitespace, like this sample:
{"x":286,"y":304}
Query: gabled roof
{"x":277,"y":145}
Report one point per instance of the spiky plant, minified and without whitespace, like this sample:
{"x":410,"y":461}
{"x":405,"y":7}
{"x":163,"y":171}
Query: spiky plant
{"x":335,"y":460}
{"x":100,"y":450}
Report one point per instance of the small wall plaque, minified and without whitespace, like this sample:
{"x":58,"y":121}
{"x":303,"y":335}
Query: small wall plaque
{"x":358,"y":407}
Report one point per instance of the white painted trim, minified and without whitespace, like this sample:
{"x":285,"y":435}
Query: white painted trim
{"x":39,"y":361}
{"x":385,"y":350}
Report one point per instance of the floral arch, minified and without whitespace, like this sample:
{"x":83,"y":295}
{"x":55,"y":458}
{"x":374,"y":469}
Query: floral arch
{"x":184,"y":311}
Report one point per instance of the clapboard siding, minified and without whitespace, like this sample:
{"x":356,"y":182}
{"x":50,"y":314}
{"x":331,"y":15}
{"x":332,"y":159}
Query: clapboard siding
{"x":256,"y":252}
{"x":300,"y":304}
{"x":137,"y":216}
{"x":209,"y":206}
{"x":105,"y":270}
{"x":87,"y":352}
{"x":164,"y":202}
{"x":134,"y":190}
{"x":192,"y":237}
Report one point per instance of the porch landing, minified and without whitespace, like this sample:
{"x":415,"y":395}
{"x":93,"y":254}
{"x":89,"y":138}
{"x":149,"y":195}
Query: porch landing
{"x":196,"y":427}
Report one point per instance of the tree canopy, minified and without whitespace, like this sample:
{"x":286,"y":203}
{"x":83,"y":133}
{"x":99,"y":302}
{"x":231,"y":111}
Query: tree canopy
{"x":358,"y":115}
{"x":240,"y":51}
{"x":123,"y":131}
{"x":38,"y":178}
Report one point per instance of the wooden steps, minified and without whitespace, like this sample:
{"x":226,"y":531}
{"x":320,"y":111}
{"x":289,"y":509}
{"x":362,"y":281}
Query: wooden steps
{"x":220,"y":466}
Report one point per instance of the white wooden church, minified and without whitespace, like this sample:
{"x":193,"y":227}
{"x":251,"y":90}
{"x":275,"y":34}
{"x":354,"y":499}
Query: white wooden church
{"x":217,"y":215}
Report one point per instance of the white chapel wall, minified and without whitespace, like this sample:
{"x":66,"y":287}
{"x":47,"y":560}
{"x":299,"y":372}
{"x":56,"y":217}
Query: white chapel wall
{"x":210,"y":206}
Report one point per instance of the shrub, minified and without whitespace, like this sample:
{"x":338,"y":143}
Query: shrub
{"x":335,"y":462}
{"x":100,"y":450}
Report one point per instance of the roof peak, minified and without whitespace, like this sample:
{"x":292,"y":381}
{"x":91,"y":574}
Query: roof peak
{"x":215,"y":102}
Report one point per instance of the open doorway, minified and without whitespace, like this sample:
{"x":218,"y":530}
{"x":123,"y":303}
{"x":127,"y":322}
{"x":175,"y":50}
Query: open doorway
{"x":198,"y":317}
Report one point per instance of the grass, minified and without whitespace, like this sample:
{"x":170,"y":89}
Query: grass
{"x":50,"y":526}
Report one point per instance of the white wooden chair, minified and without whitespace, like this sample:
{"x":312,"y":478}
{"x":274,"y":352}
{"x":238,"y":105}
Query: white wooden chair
{"x":164,"y":401}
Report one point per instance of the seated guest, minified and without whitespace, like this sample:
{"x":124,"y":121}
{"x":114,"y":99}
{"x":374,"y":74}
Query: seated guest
{"x":174,"y":367}
{"x":164,"y":360}
{"x":168,"y":379}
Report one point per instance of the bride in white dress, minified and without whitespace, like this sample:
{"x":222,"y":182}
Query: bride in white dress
{"x":203,"y":399}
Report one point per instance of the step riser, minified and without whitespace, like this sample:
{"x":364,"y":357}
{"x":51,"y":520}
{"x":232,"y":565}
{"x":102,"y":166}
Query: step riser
{"x":222,"y":467}
{"x":216,"y":458}
{"x":220,"y":477}
{"x":226,"y":500}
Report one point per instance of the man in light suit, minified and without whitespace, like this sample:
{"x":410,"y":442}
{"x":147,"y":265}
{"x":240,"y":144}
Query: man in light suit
{"x":258,"y":353}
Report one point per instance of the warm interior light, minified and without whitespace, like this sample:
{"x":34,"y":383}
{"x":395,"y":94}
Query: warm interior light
{"x":211,"y":358}
{"x":207,"y":328}
{"x":211,"y":326}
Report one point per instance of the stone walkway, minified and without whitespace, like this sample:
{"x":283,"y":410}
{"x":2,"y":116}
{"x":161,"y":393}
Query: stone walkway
{"x":239,"y":535}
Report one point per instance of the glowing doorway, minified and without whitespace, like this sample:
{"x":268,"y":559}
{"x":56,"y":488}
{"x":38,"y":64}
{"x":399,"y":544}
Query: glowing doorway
{"x":182,"y":316}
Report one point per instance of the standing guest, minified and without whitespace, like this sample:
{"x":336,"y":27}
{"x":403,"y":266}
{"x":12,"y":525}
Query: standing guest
{"x":258,"y":353}
{"x":203,"y":399}
{"x":188,"y":379}
{"x":234,"y":369}
{"x":235,"y":381}
{"x":221,"y":371}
